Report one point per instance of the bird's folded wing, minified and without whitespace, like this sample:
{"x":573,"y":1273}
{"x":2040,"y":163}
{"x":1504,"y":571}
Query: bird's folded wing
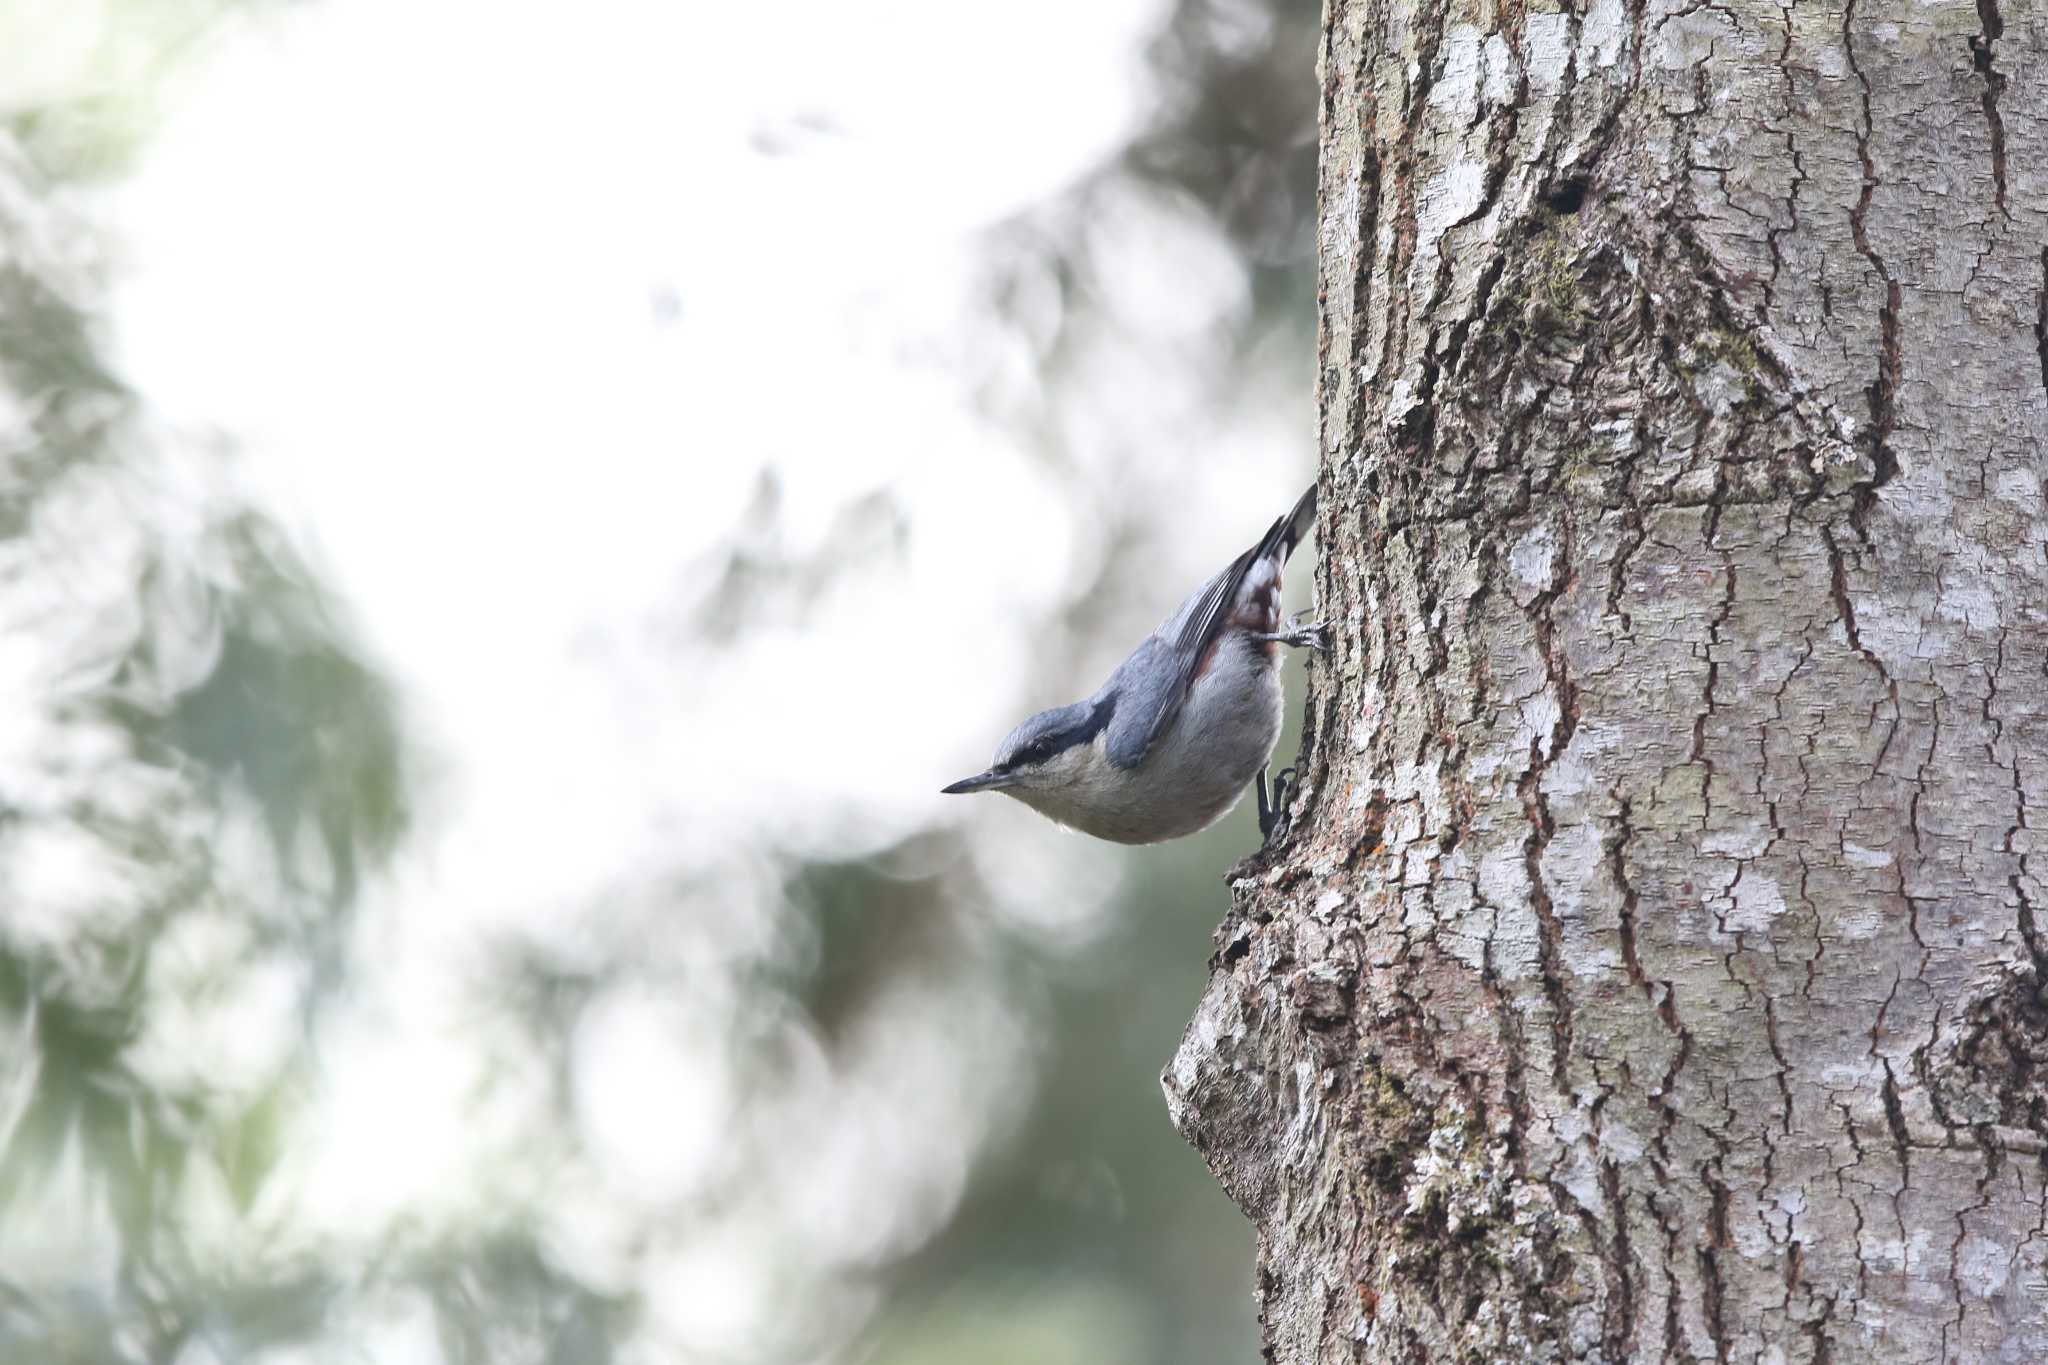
{"x":1144,"y":713}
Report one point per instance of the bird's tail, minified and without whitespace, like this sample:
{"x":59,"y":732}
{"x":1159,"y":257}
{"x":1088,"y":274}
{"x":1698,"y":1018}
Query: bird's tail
{"x":1286,"y":533}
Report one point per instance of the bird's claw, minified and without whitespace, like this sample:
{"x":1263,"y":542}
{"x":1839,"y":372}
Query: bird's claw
{"x":1273,"y":815}
{"x":1314,"y":636}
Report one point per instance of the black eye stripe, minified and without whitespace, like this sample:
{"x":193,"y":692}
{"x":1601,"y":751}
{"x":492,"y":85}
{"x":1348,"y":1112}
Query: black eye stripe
{"x":1081,"y":727}
{"x":1037,"y":751}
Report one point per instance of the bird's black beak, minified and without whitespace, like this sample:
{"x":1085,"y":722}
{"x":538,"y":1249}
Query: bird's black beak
{"x":980,"y":782}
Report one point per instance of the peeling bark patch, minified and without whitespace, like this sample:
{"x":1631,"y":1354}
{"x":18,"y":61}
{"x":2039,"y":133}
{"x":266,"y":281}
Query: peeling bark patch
{"x":1895,"y":1119}
{"x":1784,"y":1070}
{"x":1883,"y":391}
{"x":1699,"y":725}
{"x":1621,"y":1337}
{"x":1775,"y":237}
{"x":1712,"y":1300}
{"x":1543,"y":751}
{"x":1994,"y":85}
{"x":1617,"y":857}
{"x":2041,"y":320}
{"x":2028,"y":926}
{"x":1845,"y":610}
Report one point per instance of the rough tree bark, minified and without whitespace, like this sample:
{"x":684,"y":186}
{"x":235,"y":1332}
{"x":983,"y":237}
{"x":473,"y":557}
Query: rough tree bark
{"x":1653,"y":969}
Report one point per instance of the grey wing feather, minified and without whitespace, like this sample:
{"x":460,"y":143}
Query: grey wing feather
{"x":1186,"y":637}
{"x":1143,"y":685}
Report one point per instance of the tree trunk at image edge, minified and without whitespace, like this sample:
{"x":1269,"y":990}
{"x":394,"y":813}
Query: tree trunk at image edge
{"x":1654,"y":969}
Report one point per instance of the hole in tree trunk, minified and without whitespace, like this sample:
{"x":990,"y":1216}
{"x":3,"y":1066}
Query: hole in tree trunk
{"x":1566,"y":197}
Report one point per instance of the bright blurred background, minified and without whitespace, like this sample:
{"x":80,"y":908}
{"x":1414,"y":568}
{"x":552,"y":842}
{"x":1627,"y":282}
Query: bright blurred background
{"x":509,"y":513}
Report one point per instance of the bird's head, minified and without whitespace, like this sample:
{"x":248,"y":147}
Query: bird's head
{"x":1053,"y":749}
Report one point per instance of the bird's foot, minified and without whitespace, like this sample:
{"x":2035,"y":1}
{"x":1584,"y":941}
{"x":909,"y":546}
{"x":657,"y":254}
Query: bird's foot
{"x":1314,"y":636}
{"x":1273,"y":807}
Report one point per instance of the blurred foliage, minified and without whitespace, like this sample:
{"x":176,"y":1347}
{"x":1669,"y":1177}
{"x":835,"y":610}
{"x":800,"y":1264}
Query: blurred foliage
{"x":1234,"y":135}
{"x":755,"y":582}
{"x":182,"y":671}
{"x":84,"y":102}
{"x":291,"y":714}
{"x":206,"y":735}
{"x":1237,"y":132}
{"x":1098,"y":1190}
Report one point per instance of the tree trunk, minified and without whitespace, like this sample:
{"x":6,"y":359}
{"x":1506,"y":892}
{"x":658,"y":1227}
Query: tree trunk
{"x":1652,"y":969}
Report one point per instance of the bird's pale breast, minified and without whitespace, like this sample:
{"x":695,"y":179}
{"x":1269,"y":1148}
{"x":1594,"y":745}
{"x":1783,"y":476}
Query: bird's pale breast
{"x":1198,"y":770}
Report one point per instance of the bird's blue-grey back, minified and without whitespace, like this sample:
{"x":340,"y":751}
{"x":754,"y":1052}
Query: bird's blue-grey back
{"x":1142,"y":685}
{"x":1148,"y":688}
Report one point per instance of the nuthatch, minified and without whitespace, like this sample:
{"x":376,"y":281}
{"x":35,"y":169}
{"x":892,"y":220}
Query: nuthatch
{"x":1169,"y":743}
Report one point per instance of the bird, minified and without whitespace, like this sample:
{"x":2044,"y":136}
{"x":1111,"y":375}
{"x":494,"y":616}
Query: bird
{"x":1168,"y":745}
